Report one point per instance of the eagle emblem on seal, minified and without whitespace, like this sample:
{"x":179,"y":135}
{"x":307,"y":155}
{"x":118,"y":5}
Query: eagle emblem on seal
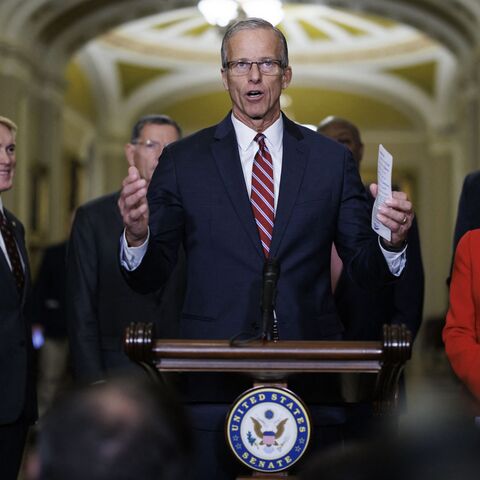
{"x":269,"y":437}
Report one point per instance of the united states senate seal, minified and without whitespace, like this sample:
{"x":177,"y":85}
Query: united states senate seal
{"x":268,"y":428}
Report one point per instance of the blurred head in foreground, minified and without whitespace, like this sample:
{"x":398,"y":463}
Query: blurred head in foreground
{"x":123,"y":429}
{"x":442,"y":447}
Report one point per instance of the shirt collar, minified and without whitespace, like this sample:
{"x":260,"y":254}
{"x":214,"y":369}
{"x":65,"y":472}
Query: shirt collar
{"x":245,"y":135}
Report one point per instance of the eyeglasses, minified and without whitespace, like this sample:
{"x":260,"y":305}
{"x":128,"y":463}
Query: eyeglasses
{"x":267,"y":67}
{"x":149,"y":144}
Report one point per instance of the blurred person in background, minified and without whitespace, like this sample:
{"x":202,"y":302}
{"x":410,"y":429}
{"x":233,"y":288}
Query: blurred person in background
{"x":100,"y":304}
{"x":18,"y":406}
{"x":362,"y":312}
{"x":50,"y":324}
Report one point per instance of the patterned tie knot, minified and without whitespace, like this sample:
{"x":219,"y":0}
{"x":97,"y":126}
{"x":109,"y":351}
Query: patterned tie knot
{"x":260,"y":139}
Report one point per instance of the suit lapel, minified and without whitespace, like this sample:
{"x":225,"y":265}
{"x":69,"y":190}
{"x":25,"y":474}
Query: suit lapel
{"x":225,"y":153}
{"x":294,"y":160}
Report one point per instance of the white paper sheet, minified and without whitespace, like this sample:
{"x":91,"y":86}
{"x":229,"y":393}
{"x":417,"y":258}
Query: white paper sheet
{"x":384,"y":181}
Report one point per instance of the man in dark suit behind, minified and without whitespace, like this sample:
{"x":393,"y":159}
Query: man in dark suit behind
{"x":100,"y":304}
{"x":208,"y":192}
{"x":363,"y":313}
{"x":50,"y":321}
{"x":18,"y":407}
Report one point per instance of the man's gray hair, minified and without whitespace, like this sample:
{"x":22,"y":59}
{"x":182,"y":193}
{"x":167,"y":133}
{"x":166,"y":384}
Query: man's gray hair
{"x":252,"y":24}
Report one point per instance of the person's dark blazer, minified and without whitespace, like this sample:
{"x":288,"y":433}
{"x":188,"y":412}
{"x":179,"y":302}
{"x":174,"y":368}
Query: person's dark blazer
{"x":468,"y":215}
{"x":198,"y":196}
{"x":363,"y":313}
{"x":49,"y":291}
{"x":17,"y":376}
{"x":100,"y":304}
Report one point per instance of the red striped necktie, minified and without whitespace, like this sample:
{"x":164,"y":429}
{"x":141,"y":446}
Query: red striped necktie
{"x":12,"y":251}
{"x":262,"y":195}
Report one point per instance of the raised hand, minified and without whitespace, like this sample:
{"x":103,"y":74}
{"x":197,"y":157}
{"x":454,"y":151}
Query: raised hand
{"x":133,"y":207}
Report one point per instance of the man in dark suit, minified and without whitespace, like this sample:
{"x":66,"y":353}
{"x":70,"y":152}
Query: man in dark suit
{"x":99,"y":302}
{"x":18,"y":407}
{"x":215,"y":192}
{"x":363,"y":313}
{"x":49,"y":317}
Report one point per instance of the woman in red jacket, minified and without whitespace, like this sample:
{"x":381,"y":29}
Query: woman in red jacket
{"x":462,"y":329}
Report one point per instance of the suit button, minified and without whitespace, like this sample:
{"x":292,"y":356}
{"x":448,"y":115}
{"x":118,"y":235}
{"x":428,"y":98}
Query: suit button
{"x":22,"y":343}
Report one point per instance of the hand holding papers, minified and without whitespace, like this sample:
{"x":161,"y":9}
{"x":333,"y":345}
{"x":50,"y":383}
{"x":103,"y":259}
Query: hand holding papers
{"x":384,"y":193}
{"x":392,"y":213}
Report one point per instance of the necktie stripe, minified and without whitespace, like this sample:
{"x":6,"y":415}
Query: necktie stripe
{"x":263,"y":220}
{"x":265,"y":163}
{"x":265,"y":177}
{"x":263,"y":203}
{"x":266,"y":196}
{"x":263,"y":185}
{"x":264,"y":230}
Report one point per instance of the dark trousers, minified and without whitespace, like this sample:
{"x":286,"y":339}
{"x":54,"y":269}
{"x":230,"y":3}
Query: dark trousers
{"x":12,"y":443}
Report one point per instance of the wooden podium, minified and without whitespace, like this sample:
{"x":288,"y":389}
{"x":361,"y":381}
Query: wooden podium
{"x":270,"y":363}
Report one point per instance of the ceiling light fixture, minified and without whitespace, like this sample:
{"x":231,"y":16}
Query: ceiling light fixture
{"x":222,"y":12}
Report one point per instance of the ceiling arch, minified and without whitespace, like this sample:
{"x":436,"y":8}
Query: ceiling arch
{"x":412,"y":71}
{"x":63,"y":27}
{"x":174,"y":57}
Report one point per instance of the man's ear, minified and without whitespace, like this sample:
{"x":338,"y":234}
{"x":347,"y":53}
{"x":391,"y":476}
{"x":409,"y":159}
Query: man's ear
{"x":130,"y":154}
{"x":224,"y":78}
{"x":286,"y":77}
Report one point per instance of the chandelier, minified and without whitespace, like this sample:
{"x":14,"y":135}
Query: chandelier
{"x":222,"y":12}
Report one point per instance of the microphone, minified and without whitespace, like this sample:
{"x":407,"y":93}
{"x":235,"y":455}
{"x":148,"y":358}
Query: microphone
{"x":271,"y":271}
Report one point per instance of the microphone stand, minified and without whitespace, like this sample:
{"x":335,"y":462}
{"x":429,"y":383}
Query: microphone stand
{"x":271,"y":271}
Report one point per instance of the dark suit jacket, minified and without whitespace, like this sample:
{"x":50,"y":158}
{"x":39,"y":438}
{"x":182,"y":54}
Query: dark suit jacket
{"x":16,"y":352}
{"x":363,"y":313}
{"x":468,"y":215}
{"x":198,"y":196}
{"x":49,"y":291}
{"x":100,"y":304}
